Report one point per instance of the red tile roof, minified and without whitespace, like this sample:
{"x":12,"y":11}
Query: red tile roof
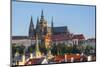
{"x":60,"y":37}
{"x":34,"y":61}
{"x":69,"y":56}
{"x":79,"y":36}
{"x":59,"y":58}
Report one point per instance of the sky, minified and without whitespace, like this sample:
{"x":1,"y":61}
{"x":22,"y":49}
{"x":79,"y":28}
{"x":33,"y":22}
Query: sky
{"x":79,"y":19}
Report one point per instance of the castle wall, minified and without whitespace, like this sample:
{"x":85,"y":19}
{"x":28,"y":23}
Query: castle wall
{"x":24,"y":42}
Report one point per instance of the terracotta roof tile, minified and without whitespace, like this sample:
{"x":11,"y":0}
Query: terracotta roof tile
{"x":69,"y":56}
{"x":34,"y":61}
{"x":79,"y":36}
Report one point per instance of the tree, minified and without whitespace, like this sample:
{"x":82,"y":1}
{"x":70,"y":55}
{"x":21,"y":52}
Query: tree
{"x":75,"y":49}
{"x":43,"y":48}
{"x":54,"y":49}
{"x":87,"y":50}
{"x":69,"y":49}
{"x":31,"y":48}
{"x":13,"y":50}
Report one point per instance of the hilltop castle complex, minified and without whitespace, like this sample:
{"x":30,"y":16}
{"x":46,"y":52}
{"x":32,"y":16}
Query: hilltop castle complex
{"x":47,"y":34}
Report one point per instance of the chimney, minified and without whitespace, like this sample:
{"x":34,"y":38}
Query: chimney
{"x":65,"y":57}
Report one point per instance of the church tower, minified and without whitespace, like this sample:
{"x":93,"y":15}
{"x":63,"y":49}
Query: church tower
{"x":43,"y":23}
{"x":31,"y":29}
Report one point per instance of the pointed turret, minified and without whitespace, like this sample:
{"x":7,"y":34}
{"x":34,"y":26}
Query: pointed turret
{"x":42,"y":15}
{"x":31,"y":23}
{"x":31,"y":28}
{"x":37,"y":26}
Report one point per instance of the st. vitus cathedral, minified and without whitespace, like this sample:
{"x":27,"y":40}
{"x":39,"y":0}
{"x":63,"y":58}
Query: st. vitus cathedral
{"x":44,"y":32}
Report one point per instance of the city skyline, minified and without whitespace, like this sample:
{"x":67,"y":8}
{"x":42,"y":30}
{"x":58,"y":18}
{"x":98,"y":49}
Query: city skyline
{"x":64,"y":15}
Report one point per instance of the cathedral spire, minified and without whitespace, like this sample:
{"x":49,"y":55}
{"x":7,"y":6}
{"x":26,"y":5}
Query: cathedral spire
{"x":37,"y":22}
{"x":31,"y":23}
{"x":42,"y":15}
{"x":37,"y":25}
{"x":31,"y":28}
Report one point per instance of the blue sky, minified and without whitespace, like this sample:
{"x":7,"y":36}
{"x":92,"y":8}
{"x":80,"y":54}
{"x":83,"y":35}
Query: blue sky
{"x":79,"y":19}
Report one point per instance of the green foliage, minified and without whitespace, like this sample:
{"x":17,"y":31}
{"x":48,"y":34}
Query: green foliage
{"x":31,"y":48}
{"x":42,"y":48}
{"x":56,"y":49}
{"x":88,"y":49}
{"x":62,"y":49}
{"x":19,"y":49}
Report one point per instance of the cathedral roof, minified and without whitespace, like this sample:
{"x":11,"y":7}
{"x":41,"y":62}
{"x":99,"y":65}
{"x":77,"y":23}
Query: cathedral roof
{"x":60,"y":29}
{"x":61,"y":37}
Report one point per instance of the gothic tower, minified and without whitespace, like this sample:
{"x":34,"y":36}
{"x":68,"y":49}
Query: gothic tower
{"x":43,"y":23}
{"x":31,"y":29}
{"x":42,"y":16}
{"x":37,"y":26}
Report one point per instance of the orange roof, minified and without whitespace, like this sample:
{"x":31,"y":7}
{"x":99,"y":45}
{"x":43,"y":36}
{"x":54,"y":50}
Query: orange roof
{"x":69,"y":56}
{"x":34,"y":61}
